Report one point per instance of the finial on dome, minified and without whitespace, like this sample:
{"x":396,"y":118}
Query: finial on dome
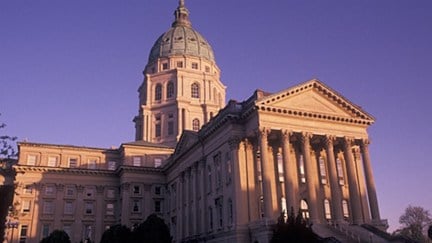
{"x":181,"y":15}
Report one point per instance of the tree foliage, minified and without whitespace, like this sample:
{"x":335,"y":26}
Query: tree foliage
{"x":7,"y":144}
{"x":414,"y":221}
{"x":57,"y":236}
{"x":116,"y":234}
{"x":294,"y":229}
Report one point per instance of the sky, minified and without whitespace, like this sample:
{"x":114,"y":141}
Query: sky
{"x":70,"y":70}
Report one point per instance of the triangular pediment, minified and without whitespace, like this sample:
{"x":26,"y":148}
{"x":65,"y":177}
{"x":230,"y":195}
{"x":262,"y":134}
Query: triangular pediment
{"x":314,"y":99}
{"x":187,"y":139}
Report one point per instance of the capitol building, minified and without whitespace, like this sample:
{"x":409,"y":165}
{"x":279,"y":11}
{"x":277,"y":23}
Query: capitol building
{"x":214,"y":171}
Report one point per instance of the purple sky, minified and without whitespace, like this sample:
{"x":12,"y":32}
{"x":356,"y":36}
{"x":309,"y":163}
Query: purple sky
{"x":70,"y":70}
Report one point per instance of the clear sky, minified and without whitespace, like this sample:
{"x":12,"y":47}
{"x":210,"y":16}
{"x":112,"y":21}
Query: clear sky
{"x":70,"y":70}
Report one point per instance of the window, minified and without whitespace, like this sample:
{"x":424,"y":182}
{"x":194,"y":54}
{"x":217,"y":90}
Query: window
{"x":157,"y":190}
{"x":89,"y":192}
{"x":228,"y":167}
{"x":327,"y":210}
{"x":112,"y":165}
{"x":195,"y":124}
{"x":179,"y":64}
{"x":164,"y":66}
{"x":28,"y":189}
{"x":258,"y":166}
{"x":136,"y":189}
{"x":210,"y":218}
{"x":25,"y":206}
{"x":136,"y":206}
{"x":230,"y":212}
{"x":31,"y":159}
{"x":284,"y":207}
{"x":302,"y":169}
{"x":170,"y":89}
{"x":217,"y":163}
{"x":91,"y":164}
{"x":219,"y":211}
{"x":280,"y":167}
{"x":340,"y":171}
{"x":322,"y":169}
{"x":70,"y":191}
{"x":48,"y":207}
{"x":261,"y":206}
{"x":110,"y":209}
{"x":157,"y":162}
{"x":207,"y":69}
{"x":52,"y":161}
{"x":194,"y":65}
{"x":110,"y":193}
{"x":23,"y":233}
{"x":88,"y":208}
{"x":345,"y":210}
{"x":68,"y":208}
{"x":136,"y":161}
{"x":195,"y":90}
{"x":49,"y":190}
{"x":158,"y":92}
{"x":157,"y":206}
{"x":170,"y":127}
{"x":304,"y":209}
{"x":73,"y":162}
{"x":158,"y":127}
{"x":45,"y":230}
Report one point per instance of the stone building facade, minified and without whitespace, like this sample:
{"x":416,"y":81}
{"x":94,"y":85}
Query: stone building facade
{"x":214,"y":172}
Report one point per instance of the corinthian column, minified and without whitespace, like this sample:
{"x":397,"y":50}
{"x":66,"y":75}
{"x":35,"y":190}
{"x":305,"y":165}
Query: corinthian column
{"x":290,"y":173}
{"x":352,"y":182}
{"x":311,"y":178}
{"x":269,"y":181}
{"x":370,"y":183}
{"x":334,"y":184}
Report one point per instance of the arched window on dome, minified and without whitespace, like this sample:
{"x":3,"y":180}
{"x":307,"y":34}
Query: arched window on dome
{"x":195,"y":90}
{"x":195,"y":124}
{"x":170,"y":90}
{"x":304,"y":209}
{"x":158,"y":92}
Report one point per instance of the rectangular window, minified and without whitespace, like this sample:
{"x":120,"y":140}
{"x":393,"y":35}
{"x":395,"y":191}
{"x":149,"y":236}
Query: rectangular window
{"x":73,"y":162}
{"x":194,"y":65}
{"x":28,"y":189}
{"x":48,"y":207}
{"x":170,"y":128}
{"x":322,"y":168}
{"x":70,"y":192}
{"x":158,"y":130}
{"x":45,"y":230}
{"x":219,"y":211}
{"x":91,"y":164}
{"x":23,"y":233}
{"x":136,"y":208}
{"x":179,"y":64}
{"x":88,"y":208}
{"x":52,"y":161}
{"x":280,"y":167}
{"x":136,"y":161}
{"x":68,"y":208}
{"x":164,"y":66}
{"x":302,"y":170}
{"x":31,"y":159}
{"x":26,"y":206}
{"x":112,"y":165}
{"x":136,"y":189}
{"x":110,"y":208}
{"x":157,"y":162}
{"x":157,"y":190}
{"x":340,"y":171}
{"x":217,"y":163}
{"x":157,"y":207}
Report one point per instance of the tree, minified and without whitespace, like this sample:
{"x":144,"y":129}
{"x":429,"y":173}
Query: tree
{"x":116,"y":234}
{"x":57,"y":236}
{"x":153,"y":229}
{"x":430,"y":232}
{"x":414,"y":222}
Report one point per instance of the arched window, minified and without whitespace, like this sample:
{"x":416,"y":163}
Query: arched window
{"x":327,"y":210}
{"x":170,"y":89}
{"x":322,"y":169}
{"x":195,"y":124}
{"x":284,"y":207}
{"x":345,"y":210}
{"x":195,"y":90}
{"x":304,"y":209}
{"x":340,"y":171}
{"x":158,"y":92}
{"x":302,"y":169}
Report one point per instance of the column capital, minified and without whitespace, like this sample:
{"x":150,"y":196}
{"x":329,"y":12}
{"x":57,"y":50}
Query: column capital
{"x":234,"y":142}
{"x":348,"y":141}
{"x":305,"y":137}
{"x":364,"y":143}
{"x":329,"y":140}
{"x":262,"y":132}
{"x":286,"y":134}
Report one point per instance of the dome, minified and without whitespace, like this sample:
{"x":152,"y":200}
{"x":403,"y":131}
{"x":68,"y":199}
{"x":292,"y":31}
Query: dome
{"x":181,"y":39}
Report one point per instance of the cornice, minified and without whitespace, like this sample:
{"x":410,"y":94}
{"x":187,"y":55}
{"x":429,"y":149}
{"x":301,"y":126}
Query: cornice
{"x":57,"y":170}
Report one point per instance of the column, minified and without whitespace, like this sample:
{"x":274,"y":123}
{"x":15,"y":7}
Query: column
{"x":370,"y":183}
{"x":203,"y":204}
{"x":239,"y":182}
{"x":180,"y":218}
{"x":362,"y":186}
{"x":290,"y":174}
{"x":311,"y":178}
{"x":186,"y":203}
{"x":352,"y":182}
{"x":269,"y":181}
{"x":251,"y":182}
{"x":125,"y":203}
{"x":195,"y":199}
{"x":336,"y":203}
{"x":100,"y":209}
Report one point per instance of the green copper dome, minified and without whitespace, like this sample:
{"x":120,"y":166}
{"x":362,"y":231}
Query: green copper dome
{"x":181,"y":39}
